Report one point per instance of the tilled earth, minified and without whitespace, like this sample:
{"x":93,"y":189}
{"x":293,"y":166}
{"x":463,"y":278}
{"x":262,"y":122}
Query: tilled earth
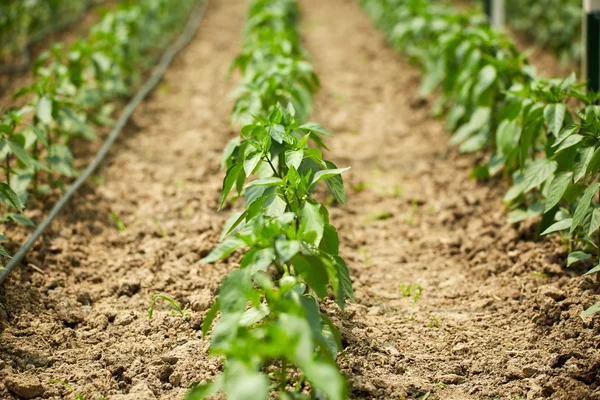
{"x":497,"y":316}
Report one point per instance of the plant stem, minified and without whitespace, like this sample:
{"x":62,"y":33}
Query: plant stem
{"x":283,"y":376}
{"x":7,"y":170}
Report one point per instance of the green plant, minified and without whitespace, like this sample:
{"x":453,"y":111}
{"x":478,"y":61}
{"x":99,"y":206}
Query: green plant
{"x":175,"y":308}
{"x":434,"y":323}
{"x":75,"y":90}
{"x":415,"y":290}
{"x":269,"y":308}
{"x":118,"y":222}
{"x":543,"y":134}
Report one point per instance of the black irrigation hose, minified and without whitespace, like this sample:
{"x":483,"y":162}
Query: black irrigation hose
{"x":183,"y":40}
{"x":24,"y":51}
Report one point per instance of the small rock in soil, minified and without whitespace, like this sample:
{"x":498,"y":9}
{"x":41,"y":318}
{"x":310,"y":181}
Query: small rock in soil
{"x":450,"y":379}
{"x":553,"y":292}
{"x":27,"y":387}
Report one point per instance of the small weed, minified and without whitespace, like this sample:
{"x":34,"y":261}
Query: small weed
{"x":410,"y":218}
{"x":98,"y":180}
{"x":360,"y":187}
{"x":540,"y":274}
{"x":434,"y":323}
{"x":118,"y":223}
{"x":161,"y":230}
{"x":180,"y":183}
{"x":430,"y":210}
{"x":397,"y":191}
{"x":383,"y":216}
{"x":366,"y":258}
{"x":442,"y":385}
{"x":77,"y":395}
{"x":175,"y":308}
{"x":415,"y":290}
{"x":425,"y":396}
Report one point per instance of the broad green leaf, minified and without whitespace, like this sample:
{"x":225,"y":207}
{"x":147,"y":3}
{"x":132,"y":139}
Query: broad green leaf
{"x":327,"y":378}
{"x":254,"y":315}
{"x":328,"y":173}
{"x":581,"y":163}
{"x":251,"y":162}
{"x":507,"y":136}
{"x":577,"y":256}
{"x":224,"y":249}
{"x":271,"y":181}
{"x":312,"y":270}
{"x":557,"y":189}
{"x":331,"y":242}
{"x":11,"y":196}
{"x":312,"y":224}
{"x":538,"y":172}
{"x":594,"y":164}
{"x":43,"y":110}
{"x":201,"y":392}
{"x":293,"y":158}
{"x":569,"y":142}
{"x":583,"y":206}
{"x":262,"y":260}
{"x":314,"y":127}
{"x":278,"y":133}
{"x":243,"y":383}
{"x":287,"y":249}
{"x":485,"y":79}
{"x":558,"y":226}
{"x":594,"y":270}
{"x":595,"y":222}
{"x":554,"y":114}
{"x":274,"y":206}
{"x":229,"y":150}
{"x":479,"y":119}
{"x":565,"y":133}
{"x":230,"y":178}
{"x":336,"y":184}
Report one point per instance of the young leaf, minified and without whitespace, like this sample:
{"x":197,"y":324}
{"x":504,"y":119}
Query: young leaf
{"x":558,"y":226}
{"x":583,"y":206}
{"x":43,"y":110}
{"x":328,"y":173}
{"x":554,"y":114}
{"x":313,"y":271}
{"x":224,"y":249}
{"x":312,"y":224}
{"x":230,"y":178}
{"x":577,"y":256}
{"x":271,"y":181}
{"x":558,"y":187}
{"x":11,"y":196}
{"x":293,"y":158}
{"x":314,"y":127}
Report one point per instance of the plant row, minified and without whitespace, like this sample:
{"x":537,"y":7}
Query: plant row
{"x":543,"y":134}
{"x":74,"y":91}
{"x":271,"y":333}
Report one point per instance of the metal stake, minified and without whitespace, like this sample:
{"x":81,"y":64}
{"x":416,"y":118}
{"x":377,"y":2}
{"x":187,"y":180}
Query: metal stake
{"x":591,"y":43}
{"x":494,"y":9}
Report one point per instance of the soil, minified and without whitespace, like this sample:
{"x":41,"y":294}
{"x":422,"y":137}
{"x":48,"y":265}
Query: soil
{"x":498,"y":316}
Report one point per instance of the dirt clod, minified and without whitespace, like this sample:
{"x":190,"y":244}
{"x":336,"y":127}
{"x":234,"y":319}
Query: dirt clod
{"x":25,"y":386}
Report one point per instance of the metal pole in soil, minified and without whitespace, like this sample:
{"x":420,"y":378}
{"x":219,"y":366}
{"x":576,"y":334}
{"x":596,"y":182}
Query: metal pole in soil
{"x":591,"y":43}
{"x":494,"y":9}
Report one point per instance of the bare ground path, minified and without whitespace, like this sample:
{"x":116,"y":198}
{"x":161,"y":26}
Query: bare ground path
{"x":498,"y":317}
{"x":415,"y":217}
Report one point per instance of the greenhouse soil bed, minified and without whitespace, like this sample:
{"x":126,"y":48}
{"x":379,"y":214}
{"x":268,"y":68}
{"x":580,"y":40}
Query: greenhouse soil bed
{"x":498,"y":315}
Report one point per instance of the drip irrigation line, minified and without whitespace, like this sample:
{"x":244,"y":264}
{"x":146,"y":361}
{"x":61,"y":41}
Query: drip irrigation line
{"x":25,"y":53}
{"x":182,"y":41}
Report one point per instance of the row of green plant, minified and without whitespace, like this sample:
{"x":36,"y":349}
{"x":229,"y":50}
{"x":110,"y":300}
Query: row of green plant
{"x":74,"y":91}
{"x":271,"y":333}
{"x":543,"y":134}
{"x":21,"y":21}
{"x":553,"y":24}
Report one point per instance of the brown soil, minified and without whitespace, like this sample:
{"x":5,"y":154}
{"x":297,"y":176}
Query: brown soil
{"x":507,"y":312}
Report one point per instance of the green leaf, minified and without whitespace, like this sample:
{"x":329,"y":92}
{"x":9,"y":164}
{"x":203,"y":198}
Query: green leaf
{"x":327,"y":378}
{"x":271,"y":181}
{"x":592,"y":310}
{"x":558,"y":226}
{"x":583,"y":206}
{"x":251,"y":162}
{"x":230,"y":178}
{"x":210,"y":317}
{"x":331,"y":242}
{"x":538,"y":172}
{"x":287,"y":249}
{"x":243,"y":383}
{"x":278,"y":133}
{"x":336,"y":184}
{"x":594,"y":164}
{"x":594,"y":270}
{"x":4,"y":253}
{"x":314,"y":127}
{"x":581,"y":164}
{"x":344,"y":277}
{"x":569,"y":142}
{"x":328,"y":173}
{"x":229,"y":150}
{"x":507,"y":136}
{"x":312,"y":224}
{"x":557,"y":189}
{"x":11,"y":196}
{"x":274,"y":206}
{"x":485,"y":79}
{"x":43,"y":110}
{"x":262,"y":260}
{"x":577,"y":256}
{"x":595,"y":222}
{"x":312,"y":270}
{"x":224,"y":249}
{"x":554,"y":114}
{"x":293,"y":158}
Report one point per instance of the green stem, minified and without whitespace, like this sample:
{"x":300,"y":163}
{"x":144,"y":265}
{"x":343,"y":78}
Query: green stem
{"x":283,"y":376}
{"x":8,"y":170}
